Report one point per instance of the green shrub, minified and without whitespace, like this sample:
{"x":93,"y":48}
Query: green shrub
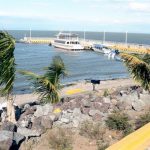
{"x":101,"y":145}
{"x":117,"y":121}
{"x":106,"y":93}
{"x":92,"y":131}
{"x":143,"y":119}
{"x":60,"y":139}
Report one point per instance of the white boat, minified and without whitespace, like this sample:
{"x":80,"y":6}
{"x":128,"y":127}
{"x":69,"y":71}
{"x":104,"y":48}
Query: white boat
{"x":68,"y":41}
{"x":101,"y":48}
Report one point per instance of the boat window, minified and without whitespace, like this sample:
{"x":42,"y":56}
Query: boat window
{"x":67,"y":42}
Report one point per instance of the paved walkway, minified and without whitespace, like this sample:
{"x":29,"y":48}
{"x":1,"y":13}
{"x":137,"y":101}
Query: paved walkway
{"x":138,"y":140}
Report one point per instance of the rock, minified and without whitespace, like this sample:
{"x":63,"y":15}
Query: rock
{"x":85,"y":110}
{"x":105,"y":107}
{"x":76,"y":112}
{"x":24,"y":121}
{"x":9,"y":126}
{"x":123,"y":93}
{"x":97,"y":117}
{"x":86,"y":103}
{"x":94,"y":112}
{"x":97,"y":105}
{"x":54,"y":117}
{"x":145,"y":98}
{"x":65,"y":120}
{"x":43,"y":110}
{"x":28,"y":132}
{"x":124,"y":106}
{"x":75,"y":123}
{"x":37,"y":125}
{"x":3,"y":105}
{"x":46,"y":122}
{"x":7,"y":144}
{"x":138,"y":105}
{"x":26,"y":106}
{"x":10,"y":140}
{"x":145,"y":92}
{"x":106,"y":100}
{"x":3,"y":116}
{"x":114,"y":102}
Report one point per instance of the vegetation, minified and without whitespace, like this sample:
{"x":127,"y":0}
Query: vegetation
{"x":48,"y":84}
{"x":143,"y":120}
{"x":7,"y":72}
{"x":106,"y":93}
{"x":92,"y":131}
{"x":60,"y":139}
{"x":101,"y":145}
{"x":139,"y":67}
{"x":119,"y":121}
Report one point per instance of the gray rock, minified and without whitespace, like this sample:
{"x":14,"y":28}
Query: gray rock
{"x":86,"y":103}
{"x":12,"y":139}
{"x":75,"y":123}
{"x":26,"y":106}
{"x":9,"y":126}
{"x":43,"y":110}
{"x":3,"y":116}
{"x":85,"y":110}
{"x":28,"y":132}
{"x":138,"y":105}
{"x":76,"y":112}
{"x":46,"y":122}
{"x":94,"y":112}
{"x":145,"y":98}
{"x":24,"y":121}
{"x":106,"y":100}
{"x":97,"y":117}
{"x":65,"y":120}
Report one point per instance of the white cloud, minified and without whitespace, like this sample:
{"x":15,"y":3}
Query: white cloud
{"x":140,"y":6}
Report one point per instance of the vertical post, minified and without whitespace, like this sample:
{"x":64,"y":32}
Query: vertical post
{"x":104,"y":37}
{"x":126,"y":38}
{"x":93,"y":87}
{"x":84,"y":35}
{"x":30,"y":35}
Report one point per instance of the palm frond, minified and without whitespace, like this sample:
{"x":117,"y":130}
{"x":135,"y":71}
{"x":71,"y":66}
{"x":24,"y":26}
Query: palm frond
{"x":139,"y":68}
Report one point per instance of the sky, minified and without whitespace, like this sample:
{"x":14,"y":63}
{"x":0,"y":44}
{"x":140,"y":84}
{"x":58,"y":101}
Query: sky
{"x":79,"y":15}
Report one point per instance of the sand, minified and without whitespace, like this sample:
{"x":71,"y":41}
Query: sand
{"x":76,"y":88}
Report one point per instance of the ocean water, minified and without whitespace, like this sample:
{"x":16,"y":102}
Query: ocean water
{"x":139,"y":38}
{"x":80,"y":65}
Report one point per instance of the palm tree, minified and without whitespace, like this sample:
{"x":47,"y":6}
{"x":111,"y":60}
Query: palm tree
{"x":48,"y":85}
{"x":139,"y":68}
{"x":7,"y":72}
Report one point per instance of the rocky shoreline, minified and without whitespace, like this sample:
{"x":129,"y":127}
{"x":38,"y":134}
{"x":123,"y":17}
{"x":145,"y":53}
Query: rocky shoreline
{"x":34,"y":119}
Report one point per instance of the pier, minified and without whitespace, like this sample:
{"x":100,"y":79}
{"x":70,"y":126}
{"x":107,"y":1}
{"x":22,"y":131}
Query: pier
{"x":122,"y":47}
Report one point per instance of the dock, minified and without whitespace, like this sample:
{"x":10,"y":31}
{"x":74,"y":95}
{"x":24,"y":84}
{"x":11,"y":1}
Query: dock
{"x":87,"y":44}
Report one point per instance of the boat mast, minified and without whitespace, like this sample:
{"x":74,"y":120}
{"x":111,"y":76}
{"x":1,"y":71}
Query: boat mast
{"x":126,"y":38}
{"x":84,"y":35}
{"x":104,"y":37}
{"x":30,"y":34}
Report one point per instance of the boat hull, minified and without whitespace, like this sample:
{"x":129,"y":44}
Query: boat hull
{"x":68,"y":47}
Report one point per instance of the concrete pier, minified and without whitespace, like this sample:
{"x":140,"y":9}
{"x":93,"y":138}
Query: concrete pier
{"x":122,"y":47}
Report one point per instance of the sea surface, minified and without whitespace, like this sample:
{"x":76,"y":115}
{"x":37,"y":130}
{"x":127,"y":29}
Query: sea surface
{"x":80,"y":65}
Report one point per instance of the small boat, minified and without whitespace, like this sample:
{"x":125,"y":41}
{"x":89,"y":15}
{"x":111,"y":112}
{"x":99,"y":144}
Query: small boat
{"x":68,"y":41}
{"x":101,"y":48}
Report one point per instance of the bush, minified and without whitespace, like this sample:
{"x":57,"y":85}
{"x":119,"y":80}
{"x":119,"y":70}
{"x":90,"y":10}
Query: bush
{"x":101,"y":145}
{"x":60,"y":139}
{"x":106,"y":93}
{"x":119,"y":121}
{"x":92,"y":131}
{"x":143,"y":120}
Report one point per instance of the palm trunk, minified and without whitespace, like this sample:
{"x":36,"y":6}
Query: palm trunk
{"x":10,"y":109}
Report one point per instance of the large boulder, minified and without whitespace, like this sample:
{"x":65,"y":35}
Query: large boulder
{"x":138,"y":105}
{"x":9,"y":126}
{"x":28,"y":132}
{"x":10,"y":140}
{"x":43,"y":110}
